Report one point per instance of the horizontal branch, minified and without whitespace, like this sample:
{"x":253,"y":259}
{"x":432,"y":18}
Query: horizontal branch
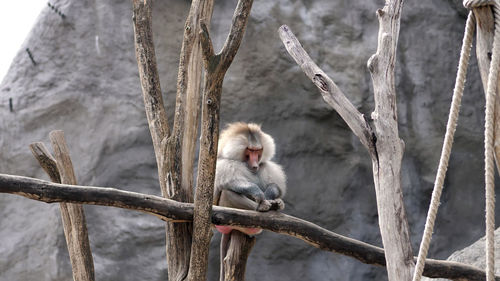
{"x":329,"y":90}
{"x":170,"y":210}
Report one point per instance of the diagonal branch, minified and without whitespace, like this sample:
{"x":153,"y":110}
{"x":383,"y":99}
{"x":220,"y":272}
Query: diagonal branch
{"x":150,"y":80}
{"x":238,"y":26}
{"x":329,"y":90}
{"x":170,"y":210}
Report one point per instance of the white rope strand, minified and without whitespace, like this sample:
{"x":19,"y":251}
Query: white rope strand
{"x":446,"y":150}
{"x":489,"y":175}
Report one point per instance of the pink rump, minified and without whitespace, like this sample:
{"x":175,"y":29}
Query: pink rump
{"x":224,"y":229}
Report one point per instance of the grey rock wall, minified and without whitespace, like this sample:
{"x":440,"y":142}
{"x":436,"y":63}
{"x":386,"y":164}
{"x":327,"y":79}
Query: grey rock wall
{"x":86,"y":83}
{"x":474,"y":254}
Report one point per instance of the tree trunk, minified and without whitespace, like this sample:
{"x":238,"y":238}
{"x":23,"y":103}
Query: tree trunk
{"x":235,"y":261}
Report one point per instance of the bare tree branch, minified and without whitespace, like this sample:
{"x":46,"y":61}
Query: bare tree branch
{"x":178,"y":161}
{"x":385,"y":146}
{"x":216,"y":67}
{"x":171,"y":210}
{"x":175,"y":152}
{"x":238,"y":26}
{"x":150,"y":80}
{"x":73,"y":216}
{"x":393,"y":223}
{"x":238,"y":251}
{"x":329,"y":90}
{"x":206,"y":43}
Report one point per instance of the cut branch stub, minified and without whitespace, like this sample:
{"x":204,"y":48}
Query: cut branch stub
{"x":329,"y":90}
{"x":170,"y":210}
{"x":46,"y":161}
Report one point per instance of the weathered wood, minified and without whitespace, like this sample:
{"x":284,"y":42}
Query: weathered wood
{"x":168,"y":148}
{"x":179,"y":157}
{"x":171,"y":210}
{"x":189,"y":91}
{"x":329,"y":90}
{"x":150,"y":81}
{"x":383,"y":143}
{"x":73,"y":216}
{"x":485,"y":26}
{"x":216,"y":67}
{"x":239,"y":249}
{"x":387,"y":166}
{"x":46,"y":161}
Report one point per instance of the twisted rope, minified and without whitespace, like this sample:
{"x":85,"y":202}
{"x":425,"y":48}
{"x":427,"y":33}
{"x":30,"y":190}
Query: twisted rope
{"x":489,"y":175}
{"x":469,"y":4}
{"x":446,"y":150}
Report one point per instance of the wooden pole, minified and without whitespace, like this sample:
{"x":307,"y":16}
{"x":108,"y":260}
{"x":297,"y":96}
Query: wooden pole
{"x":216,"y":66}
{"x":238,"y":251}
{"x":170,"y":210}
{"x":60,"y":170}
{"x":387,"y":165}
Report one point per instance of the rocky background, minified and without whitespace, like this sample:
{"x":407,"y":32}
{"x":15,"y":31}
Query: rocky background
{"x":86,"y":83}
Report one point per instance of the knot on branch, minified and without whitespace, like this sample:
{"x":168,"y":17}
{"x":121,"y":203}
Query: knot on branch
{"x":372,"y":63}
{"x":469,"y":4}
{"x":380,"y":13}
{"x":320,"y":82}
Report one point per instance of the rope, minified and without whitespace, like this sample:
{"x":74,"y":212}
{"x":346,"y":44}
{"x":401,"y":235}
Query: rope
{"x":489,"y":175}
{"x":469,"y":4}
{"x":446,"y":150}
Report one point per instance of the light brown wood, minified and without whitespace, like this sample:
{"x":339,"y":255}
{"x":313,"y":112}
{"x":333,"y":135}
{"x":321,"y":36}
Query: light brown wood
{"x":150,"y":81}
{"x":46,"y":161}
{"x":168,"y":148}
{"x":387,"y":167}
{"x":238,"y":251}
{"x":181,"y":144}
{"x":329,"y":90}
{"x":383,"y":142}
{"x":171,"y":210}
{"x":189,"y":90}
{"x":485,"y":24}
{"x":216,"y":67}
{"x":73,"y":216}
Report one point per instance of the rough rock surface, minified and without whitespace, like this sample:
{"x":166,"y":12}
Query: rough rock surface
{"x":474,"y":254}
{"x":86,"y":83}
